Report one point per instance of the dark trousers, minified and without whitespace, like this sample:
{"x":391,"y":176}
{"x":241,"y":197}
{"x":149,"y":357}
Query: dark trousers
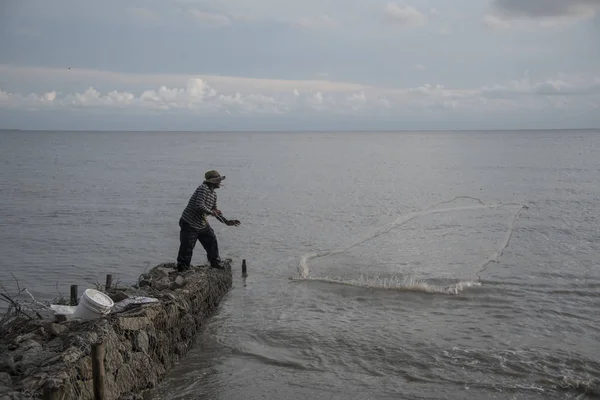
{"x":187,"y":239}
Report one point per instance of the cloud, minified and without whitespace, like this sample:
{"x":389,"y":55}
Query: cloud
{"x":493,"y":22}
{"x":209,"y":18}
{"x":181,"y":15}
{"x":320,"y":22}
{"x":574,"y":87}
{"x":550,"y":10}
{"x":145,"y":14}
{"x":86,"y":77}
{"x":406,"y":16}
{"x":419,"y":67}
{"x":195,"y":12}
{"x":198,"y":96}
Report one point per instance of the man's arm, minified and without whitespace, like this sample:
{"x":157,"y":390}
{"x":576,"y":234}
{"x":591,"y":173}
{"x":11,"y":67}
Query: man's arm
{"x":220,"y":217}
{"x":228,"y":222}
{"x":202,"y":205}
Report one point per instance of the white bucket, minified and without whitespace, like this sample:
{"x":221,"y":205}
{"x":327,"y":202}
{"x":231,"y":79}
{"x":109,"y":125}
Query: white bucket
{"x":93,"y":305}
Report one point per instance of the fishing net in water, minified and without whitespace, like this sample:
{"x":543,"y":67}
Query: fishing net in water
{"x":443,"y":248}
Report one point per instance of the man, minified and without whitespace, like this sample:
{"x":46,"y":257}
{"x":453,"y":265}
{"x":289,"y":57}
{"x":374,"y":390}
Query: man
{"x":194,"y":225}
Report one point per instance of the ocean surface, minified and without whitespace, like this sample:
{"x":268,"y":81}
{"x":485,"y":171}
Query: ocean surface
{"x":396,"y":265}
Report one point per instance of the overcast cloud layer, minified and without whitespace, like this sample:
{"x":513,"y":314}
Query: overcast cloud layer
{"x":273,"y":64}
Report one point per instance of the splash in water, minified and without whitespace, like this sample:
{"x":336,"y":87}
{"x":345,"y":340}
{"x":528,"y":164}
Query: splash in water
{"x":396,"y":283}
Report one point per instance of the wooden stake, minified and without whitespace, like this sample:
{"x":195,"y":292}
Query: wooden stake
{"x":50,"y":393}
{"x":244,"y":272}
{"x":74,"y":295}
{"x":98,"y":353}
{"x":108,"y":282}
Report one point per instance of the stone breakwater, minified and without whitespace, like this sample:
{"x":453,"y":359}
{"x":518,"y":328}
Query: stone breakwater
{"x":42,"y":358}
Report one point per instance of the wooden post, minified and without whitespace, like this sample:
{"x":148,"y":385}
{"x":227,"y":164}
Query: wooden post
{"x":98,"y":352}
{"x":50,"y":392}
{"x":244,"y":272}
{"x":108,"y":282}
{"x":74,"y":295}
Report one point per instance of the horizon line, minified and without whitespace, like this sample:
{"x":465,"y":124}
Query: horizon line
{"x":301,"y":130}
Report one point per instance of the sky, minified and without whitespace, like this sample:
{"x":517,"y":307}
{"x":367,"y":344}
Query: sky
{"x":299,"y":65}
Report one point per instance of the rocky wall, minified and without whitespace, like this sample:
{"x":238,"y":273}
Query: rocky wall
{"x":142,"y":342}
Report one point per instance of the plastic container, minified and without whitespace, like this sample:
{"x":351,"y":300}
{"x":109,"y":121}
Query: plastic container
{"x":93,"y":305}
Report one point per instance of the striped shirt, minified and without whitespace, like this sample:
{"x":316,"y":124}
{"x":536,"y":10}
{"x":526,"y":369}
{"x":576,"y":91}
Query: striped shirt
{"x":202,"y":202}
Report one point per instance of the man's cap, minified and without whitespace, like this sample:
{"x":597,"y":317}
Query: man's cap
{"x":213,"y":176}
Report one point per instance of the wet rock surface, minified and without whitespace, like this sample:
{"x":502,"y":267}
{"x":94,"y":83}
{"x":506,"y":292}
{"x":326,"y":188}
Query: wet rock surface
{"x":141,"y":341}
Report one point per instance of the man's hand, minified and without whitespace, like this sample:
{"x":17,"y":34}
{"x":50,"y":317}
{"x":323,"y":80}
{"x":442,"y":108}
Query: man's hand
{"x":233,"y":222}
{"x":216,"y":212}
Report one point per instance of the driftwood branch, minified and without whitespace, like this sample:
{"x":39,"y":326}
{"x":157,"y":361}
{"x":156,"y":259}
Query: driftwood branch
{"x":23,"y":304}
{"x":17,"y":282}
{"x":14,"y":309}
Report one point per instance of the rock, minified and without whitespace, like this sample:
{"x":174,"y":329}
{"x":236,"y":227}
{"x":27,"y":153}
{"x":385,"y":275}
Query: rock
{"x":54,"y":360}
{"x":179,"y":282}
{"x":141,"y":342}
{"x":158,"y":277}
{"x":33,"y":358}
{"x":56,"y":344}
{"x":22,"y":338}
{"x":158,"y":273}
{"x":118,"y":296}
{"x":138,"y":363}
{"x":55,"y":329}
{"x":61,"y":318}
{"x":113,"y":361}
{"x":181,"y":349}
{"x":57,"y":379}
{"x":42,"y":332}
{"x":110,"y":387}
{"x":161,"y":284}
{"x":163,"y":356}
{"x":72,"y":324}
{"x":144,"y":283}
{"x":7,"y":363}
{"x":133,"y":323}
{"x":30,"y":345}
{"x":72,"y":354}
{"x":84,"y":368}
{"x":85,"y":388}
{"x":125,"y":378}
{"x":167,"y":266}
{"x":132,"y":396}
{"x":158,"y":339}
{"x":87,"y":337}
{"x":33,"y":383}
{"x":5,"y":379}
